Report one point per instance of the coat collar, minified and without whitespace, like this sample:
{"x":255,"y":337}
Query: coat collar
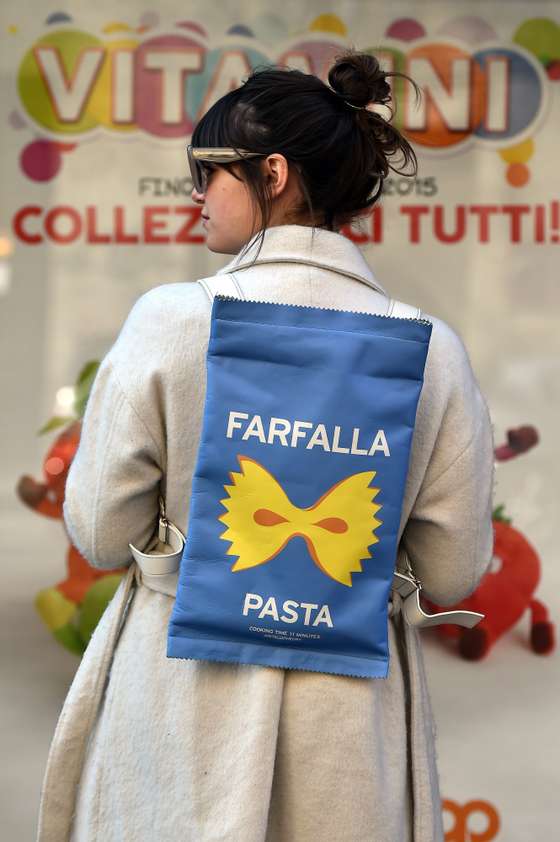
{"x":311,"y":246}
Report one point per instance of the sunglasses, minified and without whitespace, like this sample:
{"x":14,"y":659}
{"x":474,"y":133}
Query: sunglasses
{"x":198,"y":156}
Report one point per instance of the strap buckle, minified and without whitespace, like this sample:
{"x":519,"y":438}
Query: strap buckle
{"x":409,"y":587}
{"x":163,"y":524}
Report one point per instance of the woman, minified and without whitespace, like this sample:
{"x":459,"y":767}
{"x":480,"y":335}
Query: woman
{"x":193,"y":750}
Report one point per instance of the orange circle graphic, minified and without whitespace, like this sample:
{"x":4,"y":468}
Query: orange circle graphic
{"x":441,"y":58}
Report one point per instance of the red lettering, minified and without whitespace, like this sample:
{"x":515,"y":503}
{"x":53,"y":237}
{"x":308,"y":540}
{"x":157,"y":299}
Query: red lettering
{"x":515,"y":213}
{"x":91,"y":227}
{"x":359,"y":234}
{"x":414,"y":212}
{"x":377,"y":224}
{"x":63,"y":212}
{"x":354,"y":235}
{"x":554,"y":220}
{"x":120,"y":234}
{"x":18,"y":223}
{"x":483,"y":212}
{"x":459,"y":228}
{"x":152,"y":224}
{"x":539,"y":224}
{"x":184,"y":235}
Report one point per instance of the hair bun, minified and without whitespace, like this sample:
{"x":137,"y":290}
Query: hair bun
{"x":359,"y":79}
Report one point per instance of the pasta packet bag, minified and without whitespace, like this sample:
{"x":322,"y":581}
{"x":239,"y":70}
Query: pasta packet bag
{"x":298,"y":487}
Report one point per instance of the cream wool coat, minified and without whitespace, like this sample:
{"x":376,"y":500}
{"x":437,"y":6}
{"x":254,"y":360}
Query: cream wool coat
{"x":209,"y":752}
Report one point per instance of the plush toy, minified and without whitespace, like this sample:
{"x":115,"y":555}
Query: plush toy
{"x":507,"y":589}
{"x":72,"y":608}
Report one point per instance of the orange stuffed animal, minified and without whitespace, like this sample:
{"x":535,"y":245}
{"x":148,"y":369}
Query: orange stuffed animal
{"x":71,"y":608}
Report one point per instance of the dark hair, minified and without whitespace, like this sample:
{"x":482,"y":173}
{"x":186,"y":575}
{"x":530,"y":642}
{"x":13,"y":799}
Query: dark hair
{"x":342,"y":151}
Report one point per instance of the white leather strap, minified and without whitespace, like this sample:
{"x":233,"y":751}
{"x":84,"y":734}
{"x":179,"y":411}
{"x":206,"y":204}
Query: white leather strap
{"x":222,"y":285}
{"x":400,"y":310}
{"x":159,"y":562}
{"x":409,"y":589}
{"x":161,"y":557}
{"x":416,"y":616}
{"x":229,"y":285}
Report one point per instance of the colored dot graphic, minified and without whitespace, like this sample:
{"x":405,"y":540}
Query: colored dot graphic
{"x":517,"y":172}
{"x":41,"y":159}
{"x":405,"y":29}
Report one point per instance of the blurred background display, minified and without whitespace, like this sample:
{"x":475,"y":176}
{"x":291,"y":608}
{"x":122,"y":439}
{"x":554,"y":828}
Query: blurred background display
{"x":98,"y":104}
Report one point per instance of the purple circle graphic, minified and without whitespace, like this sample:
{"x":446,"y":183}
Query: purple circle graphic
{"x":40,"y":160}
{"x":405,"y":29}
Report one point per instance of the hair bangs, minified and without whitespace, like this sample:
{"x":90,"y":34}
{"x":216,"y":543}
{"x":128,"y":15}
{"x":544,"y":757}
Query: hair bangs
{"x":214,"y":129}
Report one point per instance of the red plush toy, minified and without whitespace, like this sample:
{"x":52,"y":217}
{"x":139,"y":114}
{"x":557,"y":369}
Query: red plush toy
{"x":507,"y":589}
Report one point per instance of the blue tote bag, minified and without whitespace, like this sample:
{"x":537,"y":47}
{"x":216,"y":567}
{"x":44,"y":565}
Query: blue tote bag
{"x":298,"y":487}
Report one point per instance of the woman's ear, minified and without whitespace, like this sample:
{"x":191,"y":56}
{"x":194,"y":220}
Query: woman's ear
{"x":276,"y":171}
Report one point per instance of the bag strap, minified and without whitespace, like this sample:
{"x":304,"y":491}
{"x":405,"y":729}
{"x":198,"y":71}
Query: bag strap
{"x":159,"y":562}
{"x":222,"y":285}
{"x":408,"y":587}
{"x":400,"y":310}
{"x":228,"y":285}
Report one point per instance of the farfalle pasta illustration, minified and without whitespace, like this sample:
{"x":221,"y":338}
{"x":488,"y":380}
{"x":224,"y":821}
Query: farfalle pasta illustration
{"x":338,"y":529}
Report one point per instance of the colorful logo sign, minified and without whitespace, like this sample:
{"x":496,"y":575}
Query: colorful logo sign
{"x":73,"y":83}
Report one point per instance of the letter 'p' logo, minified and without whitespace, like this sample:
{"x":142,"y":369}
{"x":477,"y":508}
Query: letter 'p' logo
{"x":475,"y":821}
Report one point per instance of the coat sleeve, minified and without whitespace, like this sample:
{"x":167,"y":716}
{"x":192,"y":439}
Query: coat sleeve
{"x":449,"y":535}
{"x":112,"y":489}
